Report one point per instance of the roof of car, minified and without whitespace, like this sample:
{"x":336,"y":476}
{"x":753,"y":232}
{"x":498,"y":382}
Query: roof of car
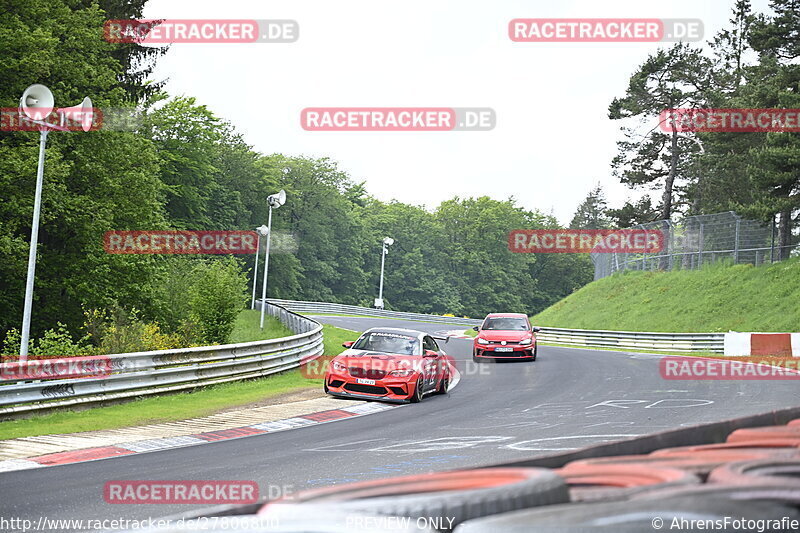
{"x":402,"y":331}
{"x":517,"y":315}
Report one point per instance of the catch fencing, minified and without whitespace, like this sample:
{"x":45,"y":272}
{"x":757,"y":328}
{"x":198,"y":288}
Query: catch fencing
{"x":699,"y":240}
{"x":161,"y":371}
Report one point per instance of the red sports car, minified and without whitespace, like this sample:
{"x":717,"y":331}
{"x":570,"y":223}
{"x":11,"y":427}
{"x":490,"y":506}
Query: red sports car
{"x":505,"y":336}
{"x":393,"y":364}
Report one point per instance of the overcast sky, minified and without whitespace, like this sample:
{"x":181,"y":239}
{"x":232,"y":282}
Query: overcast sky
{"x":553,"y":140}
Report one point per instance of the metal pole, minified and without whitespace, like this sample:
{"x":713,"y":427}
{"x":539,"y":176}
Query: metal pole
{"x":644,"y":255}
{"x":383,"y":259}
{"x":255,"y":272}
{"x":700,"y":248}
{"x":736,"y":242}
{"x":671,"y":245}
{"x":37,"y":207}
{"x":266,"y":269}
{"x":772,"y":244}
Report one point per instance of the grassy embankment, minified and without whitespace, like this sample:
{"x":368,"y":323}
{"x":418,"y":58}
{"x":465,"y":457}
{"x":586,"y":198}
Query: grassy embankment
{"x":715,"y":298}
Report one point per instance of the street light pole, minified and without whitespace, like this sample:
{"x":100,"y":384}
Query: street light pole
{"x":261,"y":230}
{"x":274,"y":200}
{"x":387,"y":241}
{"x":266,"y":270}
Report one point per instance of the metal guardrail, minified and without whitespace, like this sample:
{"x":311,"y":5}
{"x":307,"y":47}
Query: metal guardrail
{"x":154,"y":372}
{"x":642,"y":340}
{"x":343,"y":309}
{"x":654,"y":341}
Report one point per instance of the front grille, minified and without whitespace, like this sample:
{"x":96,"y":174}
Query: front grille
{"x":366,"y":389}
{"x":370,"y":373}
{"x":337,"y":383}
{"x":519,"y":353}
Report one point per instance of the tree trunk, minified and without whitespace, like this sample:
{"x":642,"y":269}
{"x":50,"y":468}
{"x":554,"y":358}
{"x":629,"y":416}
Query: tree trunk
{"x":666,"y":200}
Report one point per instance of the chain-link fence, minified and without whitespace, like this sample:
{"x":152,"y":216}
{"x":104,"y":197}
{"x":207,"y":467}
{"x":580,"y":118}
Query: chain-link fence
{"x":699,"y":240}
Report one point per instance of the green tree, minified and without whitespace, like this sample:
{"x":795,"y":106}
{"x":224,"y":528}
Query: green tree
{"x":591,"y":213}
{"x":669,"y":79}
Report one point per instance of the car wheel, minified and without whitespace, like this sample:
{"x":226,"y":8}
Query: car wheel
{"x":325,"y":387}
{"x":443,"y":384}
{"x":535,"y":349}
{"x":417,"y":396}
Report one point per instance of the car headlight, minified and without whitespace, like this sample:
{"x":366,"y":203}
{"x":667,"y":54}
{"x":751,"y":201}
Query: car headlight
{"x":527,"y":341}
{"x":482,"y":341}
{"x":339,"y":366}
{"x":402,"y":372}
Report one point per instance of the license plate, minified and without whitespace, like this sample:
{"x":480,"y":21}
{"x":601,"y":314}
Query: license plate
{"x":504,"y":349}
{"x":362,"y":381}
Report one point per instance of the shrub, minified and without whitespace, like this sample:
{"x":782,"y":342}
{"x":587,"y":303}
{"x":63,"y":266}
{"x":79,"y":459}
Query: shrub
{"x":119,"y":331}
{"x":56,"y":342}
{"x":218,"y":294}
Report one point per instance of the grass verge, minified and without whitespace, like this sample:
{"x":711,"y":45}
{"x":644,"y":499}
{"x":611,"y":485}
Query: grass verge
{"x":247,"y":327}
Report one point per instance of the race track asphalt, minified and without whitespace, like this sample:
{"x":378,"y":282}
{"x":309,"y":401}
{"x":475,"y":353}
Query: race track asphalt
{"x":567,"y":399}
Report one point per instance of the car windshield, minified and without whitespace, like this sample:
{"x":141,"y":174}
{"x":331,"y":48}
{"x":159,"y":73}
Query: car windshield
{"x":506,"y":323}
{"x":380,"y":341}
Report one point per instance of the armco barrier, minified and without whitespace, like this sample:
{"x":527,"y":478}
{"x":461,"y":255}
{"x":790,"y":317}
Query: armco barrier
{"x":642,"y":340}
{"x":343,"y":309}
{"x":145,"y":373}
{"x":666,"y":342}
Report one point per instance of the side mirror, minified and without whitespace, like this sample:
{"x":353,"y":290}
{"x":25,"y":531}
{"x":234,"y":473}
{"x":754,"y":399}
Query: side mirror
{"x":348,"y":344}
{"x":475,"y":328}
{"x":536,"y":329}
{"x":431,"y":353}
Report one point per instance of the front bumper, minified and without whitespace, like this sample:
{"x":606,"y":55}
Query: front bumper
{"x":396,"y":389}
{"x":355,"y":396}
{"x":518,"y":351}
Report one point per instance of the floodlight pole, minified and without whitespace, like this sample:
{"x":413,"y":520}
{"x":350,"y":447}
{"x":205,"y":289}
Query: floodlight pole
{"x":387,"y":241}
{"x":384,"y":251}
{"x":37,"y":208}
{"x":266,"y":268}
{"x":255,"y":271}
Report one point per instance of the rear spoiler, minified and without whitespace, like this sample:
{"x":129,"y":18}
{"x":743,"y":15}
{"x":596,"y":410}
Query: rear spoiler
{"x":445,"y":338}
